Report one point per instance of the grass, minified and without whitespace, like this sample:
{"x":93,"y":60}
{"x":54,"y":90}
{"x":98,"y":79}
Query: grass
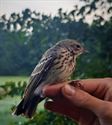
{"x":5,"y":104}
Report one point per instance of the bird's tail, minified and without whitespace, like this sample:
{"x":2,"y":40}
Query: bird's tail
{"x":27,"y":108}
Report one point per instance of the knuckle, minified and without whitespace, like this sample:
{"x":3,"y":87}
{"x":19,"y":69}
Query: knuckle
{"x":83,"y":100}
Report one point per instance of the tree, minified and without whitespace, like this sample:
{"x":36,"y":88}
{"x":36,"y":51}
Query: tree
{"x":25,"y":37}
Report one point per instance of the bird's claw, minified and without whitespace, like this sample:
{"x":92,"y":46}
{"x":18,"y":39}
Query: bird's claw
{"x":77,"y":84}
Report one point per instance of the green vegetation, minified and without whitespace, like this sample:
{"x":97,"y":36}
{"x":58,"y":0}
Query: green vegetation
{"x":4,"y":79}
{"x":10,"y":96}
{"x":25,"y":37}
{"x":7,"y":103}
{"x":20,"y":50}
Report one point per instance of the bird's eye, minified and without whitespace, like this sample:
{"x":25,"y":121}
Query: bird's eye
{"x":78,"y":46}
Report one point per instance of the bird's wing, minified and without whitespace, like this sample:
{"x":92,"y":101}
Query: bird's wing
{"x":39,"y":74}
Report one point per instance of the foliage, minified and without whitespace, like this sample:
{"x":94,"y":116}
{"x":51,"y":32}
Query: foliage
{"x":49,"y":119}
{"x":14,"y":89}
{"x":25,"y":37}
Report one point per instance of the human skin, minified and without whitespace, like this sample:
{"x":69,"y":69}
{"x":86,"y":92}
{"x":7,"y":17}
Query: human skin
{"x":91,"y":105}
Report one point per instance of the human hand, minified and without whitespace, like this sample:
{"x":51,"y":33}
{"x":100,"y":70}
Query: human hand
{"x":90,"y":106}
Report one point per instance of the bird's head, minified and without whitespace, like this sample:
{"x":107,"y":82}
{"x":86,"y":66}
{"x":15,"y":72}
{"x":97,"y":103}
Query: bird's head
{"x":73,"y":46}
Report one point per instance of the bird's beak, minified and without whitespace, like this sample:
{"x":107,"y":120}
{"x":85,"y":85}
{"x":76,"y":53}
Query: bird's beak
{"x":85,"y":51}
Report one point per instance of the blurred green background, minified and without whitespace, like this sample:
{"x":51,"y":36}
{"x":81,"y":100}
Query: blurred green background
{"x":25,"y":36}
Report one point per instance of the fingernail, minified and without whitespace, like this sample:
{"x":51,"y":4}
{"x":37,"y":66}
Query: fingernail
{"x":69,"y":90}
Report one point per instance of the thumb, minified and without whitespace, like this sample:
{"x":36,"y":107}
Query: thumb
{"x":82,"y":99}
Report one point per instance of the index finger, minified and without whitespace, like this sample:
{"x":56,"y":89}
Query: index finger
{"x":96,"y":87}
{"x":92,"y":86}
{"x":53,"y":90}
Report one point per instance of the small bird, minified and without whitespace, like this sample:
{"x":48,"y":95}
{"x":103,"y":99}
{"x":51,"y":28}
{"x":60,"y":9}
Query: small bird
{"x":55,"y":66}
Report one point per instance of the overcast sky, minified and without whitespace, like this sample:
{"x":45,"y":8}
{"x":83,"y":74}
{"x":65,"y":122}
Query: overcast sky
{"x":44,"y":6}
